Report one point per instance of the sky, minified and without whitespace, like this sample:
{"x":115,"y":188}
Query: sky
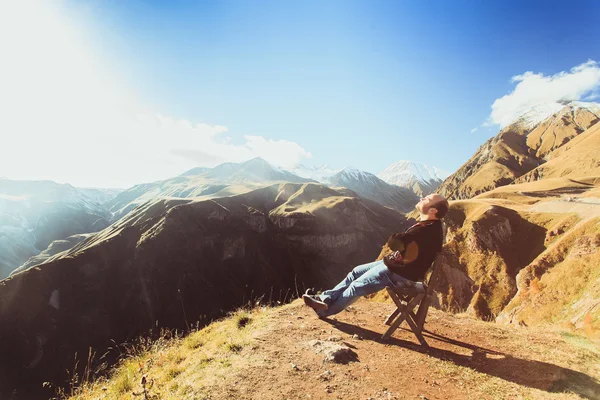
{"x":109,"y":93}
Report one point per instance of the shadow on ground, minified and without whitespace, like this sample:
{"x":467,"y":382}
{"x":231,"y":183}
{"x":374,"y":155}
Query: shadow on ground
{"x":535,"y":374}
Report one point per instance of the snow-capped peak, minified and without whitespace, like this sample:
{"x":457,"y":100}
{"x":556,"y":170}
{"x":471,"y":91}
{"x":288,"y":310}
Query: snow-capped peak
{"x":540,"y":112}
{"x":319,"y":173}
{"x":537,"y":114}
{"x":352,"y":171}
{"x":350,"y":176}
{"x":586,"y":105}
{"x":258,"y":162}
{"x":405,"y":173}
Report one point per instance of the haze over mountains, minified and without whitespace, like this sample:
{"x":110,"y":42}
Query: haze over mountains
{"x":223,"y":180}
{"x":236,"y":178}
{"x":201,"y":183}
{"x":35,"y":213}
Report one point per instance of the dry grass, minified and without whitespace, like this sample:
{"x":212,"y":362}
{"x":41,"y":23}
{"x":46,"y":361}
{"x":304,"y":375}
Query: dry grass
{"x":174,"y":368}
{"x":568,"y":287}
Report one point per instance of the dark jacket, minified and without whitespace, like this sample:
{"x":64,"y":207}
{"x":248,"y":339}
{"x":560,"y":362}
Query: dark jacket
{"x":419,"y":245}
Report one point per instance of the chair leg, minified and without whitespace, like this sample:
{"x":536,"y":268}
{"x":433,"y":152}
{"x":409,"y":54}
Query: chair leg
{"x":402,"y":316}
{"x":422,"y":312}
{"x":416,"y":331}
{"x":413,"y":315}
{"x":399,"y":306}
{"x":394,"y":296}
{"x":391,"y":317}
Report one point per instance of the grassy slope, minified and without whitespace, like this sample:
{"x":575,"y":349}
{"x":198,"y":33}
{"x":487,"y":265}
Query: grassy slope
{"x":563,"y":284}
{"x":579,"y":158}
{"x":264,"y":354}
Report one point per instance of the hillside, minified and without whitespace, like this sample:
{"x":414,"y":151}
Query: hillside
{"x":518,"y":149}
{"x":579,"y":158}
{"x":277,"y":353}
{"x":176,"y":261}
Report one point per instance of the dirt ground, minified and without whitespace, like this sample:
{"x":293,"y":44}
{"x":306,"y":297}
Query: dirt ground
{"x":467,"y":359}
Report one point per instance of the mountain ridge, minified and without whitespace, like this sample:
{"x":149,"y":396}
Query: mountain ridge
{"x":369,"y":186}
{"x":516,"y":150}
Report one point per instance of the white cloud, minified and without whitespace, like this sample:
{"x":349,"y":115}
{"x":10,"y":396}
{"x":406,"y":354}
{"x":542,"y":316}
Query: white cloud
{"x":537,"y":90}
{"x":66,"y":116}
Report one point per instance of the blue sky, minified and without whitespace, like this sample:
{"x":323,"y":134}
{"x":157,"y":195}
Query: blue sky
{"x":360,"y":83}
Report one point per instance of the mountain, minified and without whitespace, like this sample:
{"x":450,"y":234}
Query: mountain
{"x":519,"y":148}
{"x":35,"y":213}
{"x":99,"y":196}
{"x":523,"y":240}
{"x":255,"y":170}
{"x":171,"y":262}
{"x":221,"y":181}
{"x":420,"y":178}
{"x":527,"y":253}
{"x":579,"y":157}
{"x":371,"y":187}
{"x":196,"y":171}
{"x":320,"y":173}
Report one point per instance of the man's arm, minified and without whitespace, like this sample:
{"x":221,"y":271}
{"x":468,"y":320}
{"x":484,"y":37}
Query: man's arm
{"x":407,"y":244}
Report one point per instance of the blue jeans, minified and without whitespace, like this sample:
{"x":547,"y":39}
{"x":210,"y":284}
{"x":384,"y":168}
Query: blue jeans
{"x":362,"y":280}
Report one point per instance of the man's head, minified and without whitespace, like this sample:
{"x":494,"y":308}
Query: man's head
{"x":432,"y":206}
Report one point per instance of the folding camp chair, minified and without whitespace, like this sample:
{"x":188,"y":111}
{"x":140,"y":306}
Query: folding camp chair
{"x":407,"y":299}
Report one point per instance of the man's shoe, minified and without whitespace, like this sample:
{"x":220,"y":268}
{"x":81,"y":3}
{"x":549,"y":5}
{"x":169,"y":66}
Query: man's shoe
{"x":314,"y":303}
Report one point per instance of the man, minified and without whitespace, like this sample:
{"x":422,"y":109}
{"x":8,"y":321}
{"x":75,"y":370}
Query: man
{"x":417,"y":248}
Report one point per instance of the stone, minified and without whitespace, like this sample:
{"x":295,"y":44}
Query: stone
{"x":333,"y":352}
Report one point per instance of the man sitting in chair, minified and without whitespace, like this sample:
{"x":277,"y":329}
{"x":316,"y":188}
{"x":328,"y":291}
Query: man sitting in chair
{"x":413,"y":253}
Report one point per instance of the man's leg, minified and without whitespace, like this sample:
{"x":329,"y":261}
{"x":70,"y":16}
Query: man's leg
{"x":329,"y":296}
{"x":377,"y":277}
